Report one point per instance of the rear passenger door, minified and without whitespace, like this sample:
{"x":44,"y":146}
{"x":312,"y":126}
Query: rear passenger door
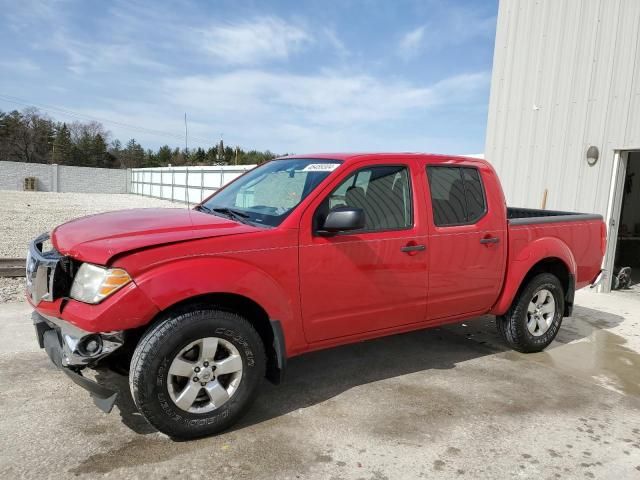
{"x":466,"y":243}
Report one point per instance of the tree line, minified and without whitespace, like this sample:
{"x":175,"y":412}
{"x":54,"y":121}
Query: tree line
{"x":32,"y":137}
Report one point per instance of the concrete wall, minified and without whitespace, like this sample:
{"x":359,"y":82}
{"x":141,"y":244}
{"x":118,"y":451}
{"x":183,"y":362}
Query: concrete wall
{"x":183,"y":184}
{"x":12,"y":175}
{"x":566,"y":75}
{"x":88,"y":180}
{"x":62,"y":178}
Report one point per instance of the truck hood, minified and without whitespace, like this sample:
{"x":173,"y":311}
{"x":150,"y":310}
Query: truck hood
{"x":98,"y":238}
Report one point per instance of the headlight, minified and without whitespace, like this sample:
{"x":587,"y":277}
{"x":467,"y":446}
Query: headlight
{"x":92,"y":283}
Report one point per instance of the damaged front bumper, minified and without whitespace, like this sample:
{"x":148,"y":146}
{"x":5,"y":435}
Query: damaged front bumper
{"x":71,"y":349}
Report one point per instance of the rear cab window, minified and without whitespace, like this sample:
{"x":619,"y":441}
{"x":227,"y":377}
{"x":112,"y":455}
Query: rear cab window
{"x":457,"y":195}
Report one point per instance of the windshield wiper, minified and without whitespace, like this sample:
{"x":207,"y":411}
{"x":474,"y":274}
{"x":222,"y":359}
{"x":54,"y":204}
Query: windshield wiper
{"x":202,"y":208}
{"x":233,"y":214}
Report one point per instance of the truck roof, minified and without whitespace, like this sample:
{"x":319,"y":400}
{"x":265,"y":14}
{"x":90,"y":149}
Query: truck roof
{"x":347,"y":157}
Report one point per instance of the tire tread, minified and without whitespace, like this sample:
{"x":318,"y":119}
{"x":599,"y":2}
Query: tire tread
{"x":167,"y":328}
{"x":509,"y":325}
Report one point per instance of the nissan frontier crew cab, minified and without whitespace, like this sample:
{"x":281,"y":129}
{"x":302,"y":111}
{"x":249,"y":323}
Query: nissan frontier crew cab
{"x":299,"y":254}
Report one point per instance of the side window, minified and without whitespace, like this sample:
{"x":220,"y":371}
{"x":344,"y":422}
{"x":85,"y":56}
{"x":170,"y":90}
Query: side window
{"x":384,"y":193}
{"x":474,"y":194}
{"x":457,"y":195}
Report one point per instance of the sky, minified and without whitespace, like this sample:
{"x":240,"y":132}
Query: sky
{"x":288,"y":76}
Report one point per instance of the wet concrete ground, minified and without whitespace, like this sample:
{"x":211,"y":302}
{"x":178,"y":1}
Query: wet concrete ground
{"x":443,"y":403}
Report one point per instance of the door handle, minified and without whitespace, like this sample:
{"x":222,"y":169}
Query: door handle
{"x":413,"y":248}
{"x":489,"y":240}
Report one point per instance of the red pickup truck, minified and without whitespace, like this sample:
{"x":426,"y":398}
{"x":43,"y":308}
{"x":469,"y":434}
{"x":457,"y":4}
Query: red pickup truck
{"x":299,"y":254}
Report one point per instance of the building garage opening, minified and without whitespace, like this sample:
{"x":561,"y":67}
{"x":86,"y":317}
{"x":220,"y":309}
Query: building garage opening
{"x":626,"y":272}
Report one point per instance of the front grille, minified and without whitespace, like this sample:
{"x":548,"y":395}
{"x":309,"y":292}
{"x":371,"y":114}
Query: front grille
{"x":49,"y":274}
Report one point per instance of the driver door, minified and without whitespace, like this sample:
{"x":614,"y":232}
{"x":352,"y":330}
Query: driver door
{"x":370,"y":279}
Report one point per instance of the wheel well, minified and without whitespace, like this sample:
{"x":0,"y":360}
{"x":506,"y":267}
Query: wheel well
{"x":558,"y":268}
{"x":254,"y":313}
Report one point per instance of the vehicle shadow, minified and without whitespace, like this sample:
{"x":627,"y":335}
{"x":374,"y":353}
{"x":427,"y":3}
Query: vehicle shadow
{"x":319,"y":376}
{"x":124,"y":402}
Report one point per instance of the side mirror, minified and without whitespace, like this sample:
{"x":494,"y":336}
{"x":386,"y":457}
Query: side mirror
{"x":342,"y":219}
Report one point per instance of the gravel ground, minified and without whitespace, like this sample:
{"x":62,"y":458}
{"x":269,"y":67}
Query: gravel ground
{"x":12,"y":289}
{"x":25,"y":215}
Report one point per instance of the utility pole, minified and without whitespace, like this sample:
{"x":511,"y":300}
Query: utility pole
{"x":53,"y":152}
{"x":186,"y":135}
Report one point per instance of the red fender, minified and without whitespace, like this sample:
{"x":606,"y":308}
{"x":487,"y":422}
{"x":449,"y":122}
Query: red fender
{"x":191,"y":277}
{"x":524,"y":260}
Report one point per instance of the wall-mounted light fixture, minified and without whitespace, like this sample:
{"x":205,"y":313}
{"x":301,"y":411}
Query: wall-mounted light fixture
{"x":593,"y":154}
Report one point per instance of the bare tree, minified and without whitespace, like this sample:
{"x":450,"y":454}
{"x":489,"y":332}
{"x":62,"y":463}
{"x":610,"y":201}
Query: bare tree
{"x":27,"y":136}
{"x":80,"y":130}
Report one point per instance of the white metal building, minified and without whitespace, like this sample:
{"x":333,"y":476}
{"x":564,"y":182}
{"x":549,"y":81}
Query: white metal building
{"x":566,"y":77}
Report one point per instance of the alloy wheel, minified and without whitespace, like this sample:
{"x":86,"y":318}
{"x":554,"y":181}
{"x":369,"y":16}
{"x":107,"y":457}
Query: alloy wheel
{"x":541,"y":312}
{"x":204,"y":375}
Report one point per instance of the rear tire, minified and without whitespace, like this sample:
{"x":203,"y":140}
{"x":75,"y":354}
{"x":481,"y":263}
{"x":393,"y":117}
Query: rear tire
{"x":534,"y":318}
{"x":182,"y":353}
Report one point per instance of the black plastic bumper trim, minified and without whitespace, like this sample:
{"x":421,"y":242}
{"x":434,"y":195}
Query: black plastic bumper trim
{"x":276,"y":375}
{"x":103,"y":397}
{"x":569,"y":296}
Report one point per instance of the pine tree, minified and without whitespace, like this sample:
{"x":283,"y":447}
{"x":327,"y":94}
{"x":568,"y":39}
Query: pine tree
{"x":32,"y":137}
{"x":164,"y":155}
{"x":220,"y":151}
{"x":133,"y":155}
{"x":62,"y":146}
{"x":115,"y":152}
{"x":199,"y":156}
{"x":99,"y":150}
{"x":82,"y":154}
{"x":229,"y":155}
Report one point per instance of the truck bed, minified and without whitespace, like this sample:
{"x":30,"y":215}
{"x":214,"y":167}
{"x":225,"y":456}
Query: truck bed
{"x":527,"y":216}
{"x":581,"y":234}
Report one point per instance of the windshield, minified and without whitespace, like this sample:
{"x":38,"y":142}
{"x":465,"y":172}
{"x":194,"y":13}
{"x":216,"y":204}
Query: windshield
{"x":267,"y":194}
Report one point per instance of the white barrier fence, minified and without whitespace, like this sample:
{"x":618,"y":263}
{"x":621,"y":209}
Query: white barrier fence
{"x":183,"y":184}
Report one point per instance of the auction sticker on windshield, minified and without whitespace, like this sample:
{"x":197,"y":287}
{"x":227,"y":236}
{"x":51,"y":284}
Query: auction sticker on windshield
{"x":321,"y":167}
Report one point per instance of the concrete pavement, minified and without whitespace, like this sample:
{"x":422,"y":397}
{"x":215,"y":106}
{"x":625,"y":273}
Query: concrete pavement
{"x":450,"y":402}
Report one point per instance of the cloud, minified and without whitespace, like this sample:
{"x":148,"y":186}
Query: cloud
{"x":331,"y":97}
{"x":23,"y":15}
{"x":455,"y":26}
{"x":335,"y":42}
{"x":285,"y":112}
{"x":153,"y":123}
{"x":253,"y":42}
{"x":303,"y":111}
{"x":20,"y":65}
{"x":411,"y":42}
{"x":83,"y":56}
{"x":304,"y":81}
{"x":101,"y":48}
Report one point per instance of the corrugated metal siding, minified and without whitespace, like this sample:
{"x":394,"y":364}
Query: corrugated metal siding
{"x":566,"y":75}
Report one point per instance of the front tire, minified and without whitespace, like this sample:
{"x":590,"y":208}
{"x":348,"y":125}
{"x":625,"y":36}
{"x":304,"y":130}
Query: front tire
{"x":196,"y":373}
{"x":534,"y":318}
